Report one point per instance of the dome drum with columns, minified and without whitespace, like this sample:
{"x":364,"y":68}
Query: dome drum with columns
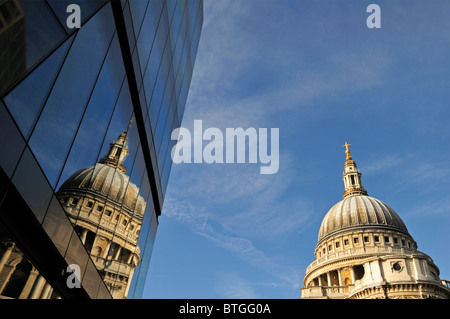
{"x":107,"y":211}
{"x":365,"y":251}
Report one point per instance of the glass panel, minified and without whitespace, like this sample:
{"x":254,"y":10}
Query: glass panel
{"x":19,"y":278}
{"x":176,"y":23}
{"x":11,"y":141}
{"x":179,"y":47}
{"x":137,"y":69}
{"x":138,"y":9}
{"x":26,"y":100}
{"x":90,"y":135}
{"x":182,"y":67}
{"x":146,"y":241}
{"x":91,"y":280}
{"x":154,"y":91}
{"x":32,"y":184}
{"x":121,"y":118}
{"x":129,"y":26}
{"x":167,"y":104}
{"x":70,"y":94}
{"x":193,"y":12}
{"x":171,"y":6}
{"x":76,"y":254}
{"x":31,"y":32}
{"x":123,"y":258}
{"x":103,"y":292}
{"x":196,"y":35}
{"x":57,"y":226}
{"x":148,"y":31}
{"x":184,"y":92}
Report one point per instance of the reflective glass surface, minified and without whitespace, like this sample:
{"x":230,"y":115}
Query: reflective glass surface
{"x":11,"y":140}
{"x":27,"y":99}
{"x":71,"y":92}
{"x":30,"y":31}
{"x":91,"y":132}
{"x":74,"y":128}
{"x":19,"y":277}
{"x":27,"y":178}
{"x":57,"y":225}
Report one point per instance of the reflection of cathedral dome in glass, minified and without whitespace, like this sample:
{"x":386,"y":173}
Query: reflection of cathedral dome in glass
{"x":358,"y":212}
{"x":107,"y":210}
{"x":109,"y":182}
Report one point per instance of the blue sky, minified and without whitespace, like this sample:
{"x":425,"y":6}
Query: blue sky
{"x":315,"y":71}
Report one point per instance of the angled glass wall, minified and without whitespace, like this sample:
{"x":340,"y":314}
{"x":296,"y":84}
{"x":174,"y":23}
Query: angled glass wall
{"x":86,"y":116}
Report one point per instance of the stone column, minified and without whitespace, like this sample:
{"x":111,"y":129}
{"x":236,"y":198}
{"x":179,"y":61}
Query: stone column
{"x":83,"y":236}
{"x":352,"y":272}
{"x":105,"y":253}
{"x":319,"y":279}
{"x":6,"y":256}
{"x":37,"y":288}
{"x":94,"y":245}
{"x":26,"y":291}
{"x":329,"y":278}
{"x":116,"y":256}
{"x":339,"y":277}
{"x":46,"y":291}
{"x":130,"y":258}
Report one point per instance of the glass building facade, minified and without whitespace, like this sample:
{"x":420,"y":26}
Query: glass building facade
{"x":86,"y":116}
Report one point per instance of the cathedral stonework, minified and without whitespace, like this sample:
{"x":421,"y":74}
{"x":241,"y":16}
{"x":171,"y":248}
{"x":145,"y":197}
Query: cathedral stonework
{"x":107,"y":211}
{"x":365,"y":251}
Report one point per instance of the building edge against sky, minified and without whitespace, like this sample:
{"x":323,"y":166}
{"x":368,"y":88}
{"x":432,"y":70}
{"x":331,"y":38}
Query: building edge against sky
{"x":67,"y":96}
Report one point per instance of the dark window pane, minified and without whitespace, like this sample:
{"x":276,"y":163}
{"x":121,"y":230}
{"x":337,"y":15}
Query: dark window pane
{"x":184,"y":93}
{"x":193,"y":12}
{"x":171,"y":6}
{"x":196,"y":35}
{"x":57,"y":226}
{"x":31,"y":32}
{"x":26,"y":100}
{"x":146,"y":241}
{"x":129,"y":26}
{"x":158,"y":44}
{"x":12,"y":44}
{"x":64,"y":108}
{"x":32,"y":184}
{"x":138,"y":9}
{"x":77,"y":254}
{"x":148,"y":32}
{"x":91,"y":280}
{"x":103,"y":292}
{"x":122,"y":115}
{"x":91,"y":133}
{"x":11,"y":142}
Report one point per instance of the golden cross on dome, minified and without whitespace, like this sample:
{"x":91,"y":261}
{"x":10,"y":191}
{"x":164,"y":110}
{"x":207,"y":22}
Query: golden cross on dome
{"x":347,"y":151}
{"x":346,"y":145}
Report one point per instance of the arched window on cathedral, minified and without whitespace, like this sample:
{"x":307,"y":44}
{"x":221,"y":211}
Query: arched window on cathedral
{"x":17,"y":280}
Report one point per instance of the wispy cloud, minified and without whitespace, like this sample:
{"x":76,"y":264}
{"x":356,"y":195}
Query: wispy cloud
{"x":227,"y":88}
{"x":440,"y":207}
{"x":233,"y":286}
{"x":387,"y":162}
{"x":203,"y":223}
